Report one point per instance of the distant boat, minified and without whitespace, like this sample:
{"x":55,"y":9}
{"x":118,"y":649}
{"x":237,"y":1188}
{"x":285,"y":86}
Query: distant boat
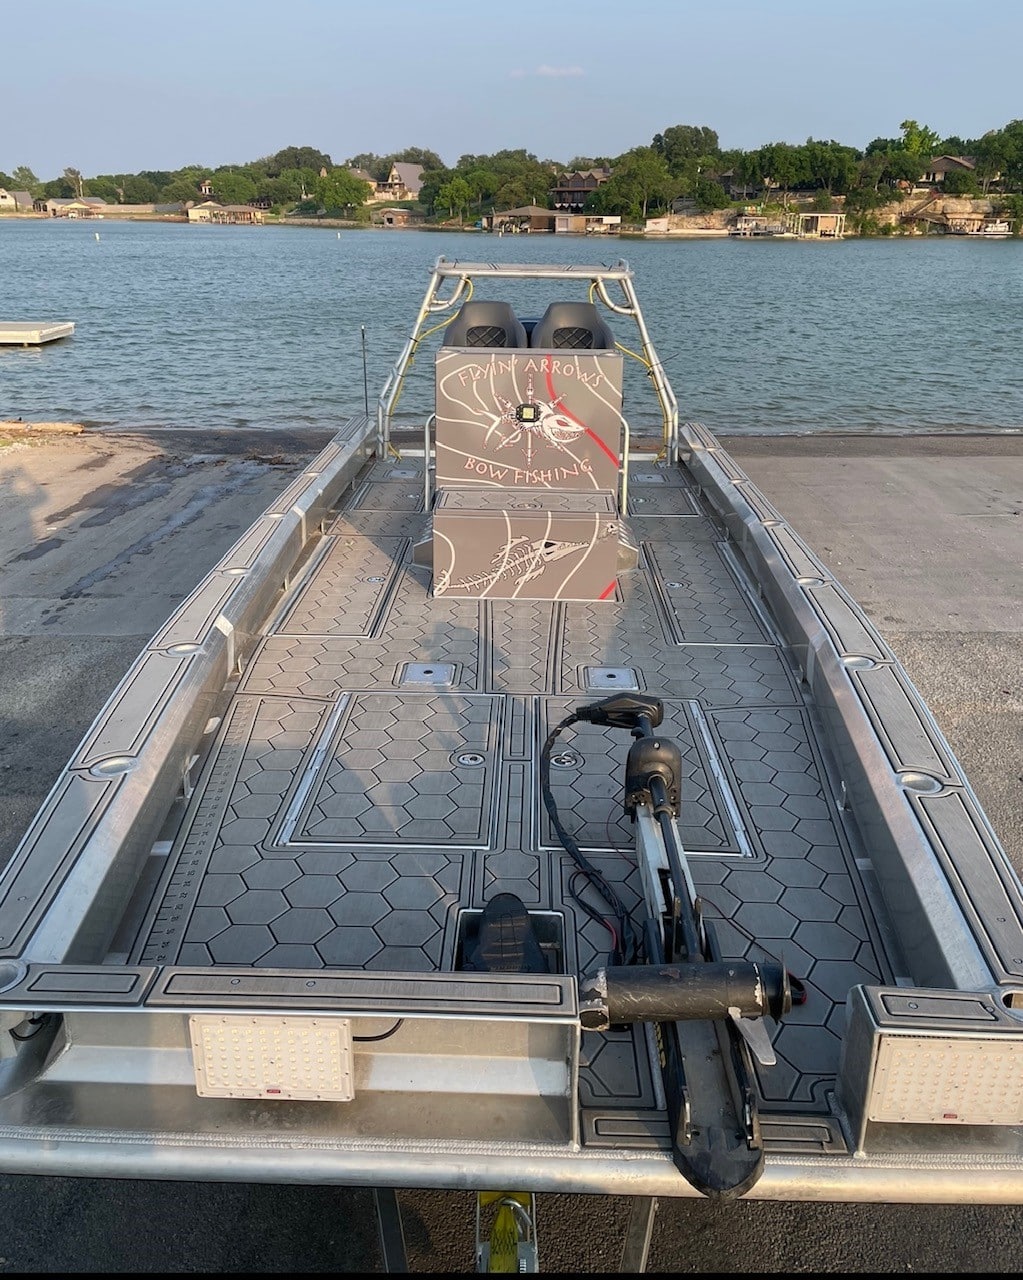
{"x":990,"y":229}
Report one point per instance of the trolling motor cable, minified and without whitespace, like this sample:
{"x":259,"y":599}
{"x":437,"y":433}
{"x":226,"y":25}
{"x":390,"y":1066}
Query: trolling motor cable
{"x":625,"y":947}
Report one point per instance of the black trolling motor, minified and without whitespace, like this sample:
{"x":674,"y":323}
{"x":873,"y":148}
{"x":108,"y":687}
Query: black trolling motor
{"x":706,"y":1010}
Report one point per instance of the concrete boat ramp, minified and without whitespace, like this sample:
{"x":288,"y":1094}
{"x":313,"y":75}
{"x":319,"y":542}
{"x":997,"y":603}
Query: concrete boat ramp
{"x":33,"y":333}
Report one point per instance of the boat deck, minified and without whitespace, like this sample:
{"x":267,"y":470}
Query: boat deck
{"x":376,"y":777}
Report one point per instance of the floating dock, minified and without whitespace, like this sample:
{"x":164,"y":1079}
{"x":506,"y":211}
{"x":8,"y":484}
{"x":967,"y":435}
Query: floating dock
{"x":33,"y":333}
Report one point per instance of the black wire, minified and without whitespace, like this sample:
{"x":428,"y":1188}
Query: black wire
{"x":624,"y":950}
{"x":384,"y":1035}
{"x":37,"y":1022}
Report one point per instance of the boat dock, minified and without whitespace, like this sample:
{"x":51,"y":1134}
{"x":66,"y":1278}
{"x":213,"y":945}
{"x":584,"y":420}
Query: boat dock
{"x":33,"y":333}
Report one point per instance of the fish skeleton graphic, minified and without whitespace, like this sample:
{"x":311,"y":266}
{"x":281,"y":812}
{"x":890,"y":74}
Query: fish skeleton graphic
{"x":523,"y":558}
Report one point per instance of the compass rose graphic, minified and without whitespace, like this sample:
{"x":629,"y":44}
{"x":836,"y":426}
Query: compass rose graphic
{"x":537,"y":422}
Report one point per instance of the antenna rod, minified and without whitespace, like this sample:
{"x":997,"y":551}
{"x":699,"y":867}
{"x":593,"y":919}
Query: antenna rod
{"x":365,"y":379}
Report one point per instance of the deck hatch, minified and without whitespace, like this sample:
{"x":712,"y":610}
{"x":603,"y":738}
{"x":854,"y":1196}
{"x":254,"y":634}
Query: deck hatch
{"x":393,"y":775}
{"x":345,"y":595}
{"x":388,"y":495}
{"x":702,"y":600}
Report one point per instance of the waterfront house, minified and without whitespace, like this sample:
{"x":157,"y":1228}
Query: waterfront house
{"x":933,"y":176}
{"x":404,"y":182}
{"x":173,"y":209}
{"x":589,"y":224}
{"x":396,"y":217}
{"x":572,"y":190}
{"x":15,"y":201}
{"x":61,"y":207}
{"x":757,"y":224}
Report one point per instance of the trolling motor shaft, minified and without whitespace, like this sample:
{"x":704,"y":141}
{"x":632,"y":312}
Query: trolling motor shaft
{"x":682,"y":992}
{"x":707,"y":1012}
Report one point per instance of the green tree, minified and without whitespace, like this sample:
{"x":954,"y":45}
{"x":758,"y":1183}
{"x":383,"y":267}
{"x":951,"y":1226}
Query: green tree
{"x":23,"y":179}
{"x":784,"y":166}
{"x":1012,"y":175}
{"x":289,"y":187}
{"x":183,"y":189}
{"x":679,"y":145}
{"x":58,"y":189}
{"x":709,"y":194}
{"x":863,"y":198}
{"x":157,"y":178}
{"x":581,"y":163}
{"x":341,"y":193}
{"x":958,"y":182}
{"x":521,"y":178}
{"x":416,"y":155}
{"x":484,"y":184}
{"x":105,"y":187}
{"x":135,"y":189}
{"x":641,"y":179}
{"x":749,"y":170}
{"x":432,"y":181}
{"x":233,"y":186}
{"x":455,"y":197}
{"x":904,"y":166}
{"x":74,"y":179}
{"x":869,"y":174}
{"x":831,"y":165}
{"x":917,"y":139}
{"x":295,"y":158}
{"x":993,"y":155}
{"x":1011,"y":206}
{"x":377,"y":166}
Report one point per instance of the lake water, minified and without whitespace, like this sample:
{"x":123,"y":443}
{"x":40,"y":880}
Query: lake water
{"x":212,"y":327}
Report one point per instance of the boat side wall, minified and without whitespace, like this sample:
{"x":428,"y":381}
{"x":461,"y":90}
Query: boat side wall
{"x":64,"y":891}
{"x":833,"y":642}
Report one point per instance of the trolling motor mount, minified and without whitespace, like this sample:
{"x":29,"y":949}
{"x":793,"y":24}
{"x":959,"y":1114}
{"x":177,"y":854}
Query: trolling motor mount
{"x":651,"y":758}
{"x":707,"y":1011}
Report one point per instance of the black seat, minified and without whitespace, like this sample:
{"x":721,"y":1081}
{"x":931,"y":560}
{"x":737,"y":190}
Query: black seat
{"x":485,"y":324}
{"x":507,"y":941}
{"x":575,"y":325}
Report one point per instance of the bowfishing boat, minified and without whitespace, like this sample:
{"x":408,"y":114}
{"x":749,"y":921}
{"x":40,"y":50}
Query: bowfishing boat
{"x":521,"y":806}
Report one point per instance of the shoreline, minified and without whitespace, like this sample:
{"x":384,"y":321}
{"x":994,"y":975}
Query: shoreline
{"x":682,"y":233}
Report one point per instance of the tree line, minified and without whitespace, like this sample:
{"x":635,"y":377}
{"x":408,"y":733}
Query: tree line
{"x":685,"y":162}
